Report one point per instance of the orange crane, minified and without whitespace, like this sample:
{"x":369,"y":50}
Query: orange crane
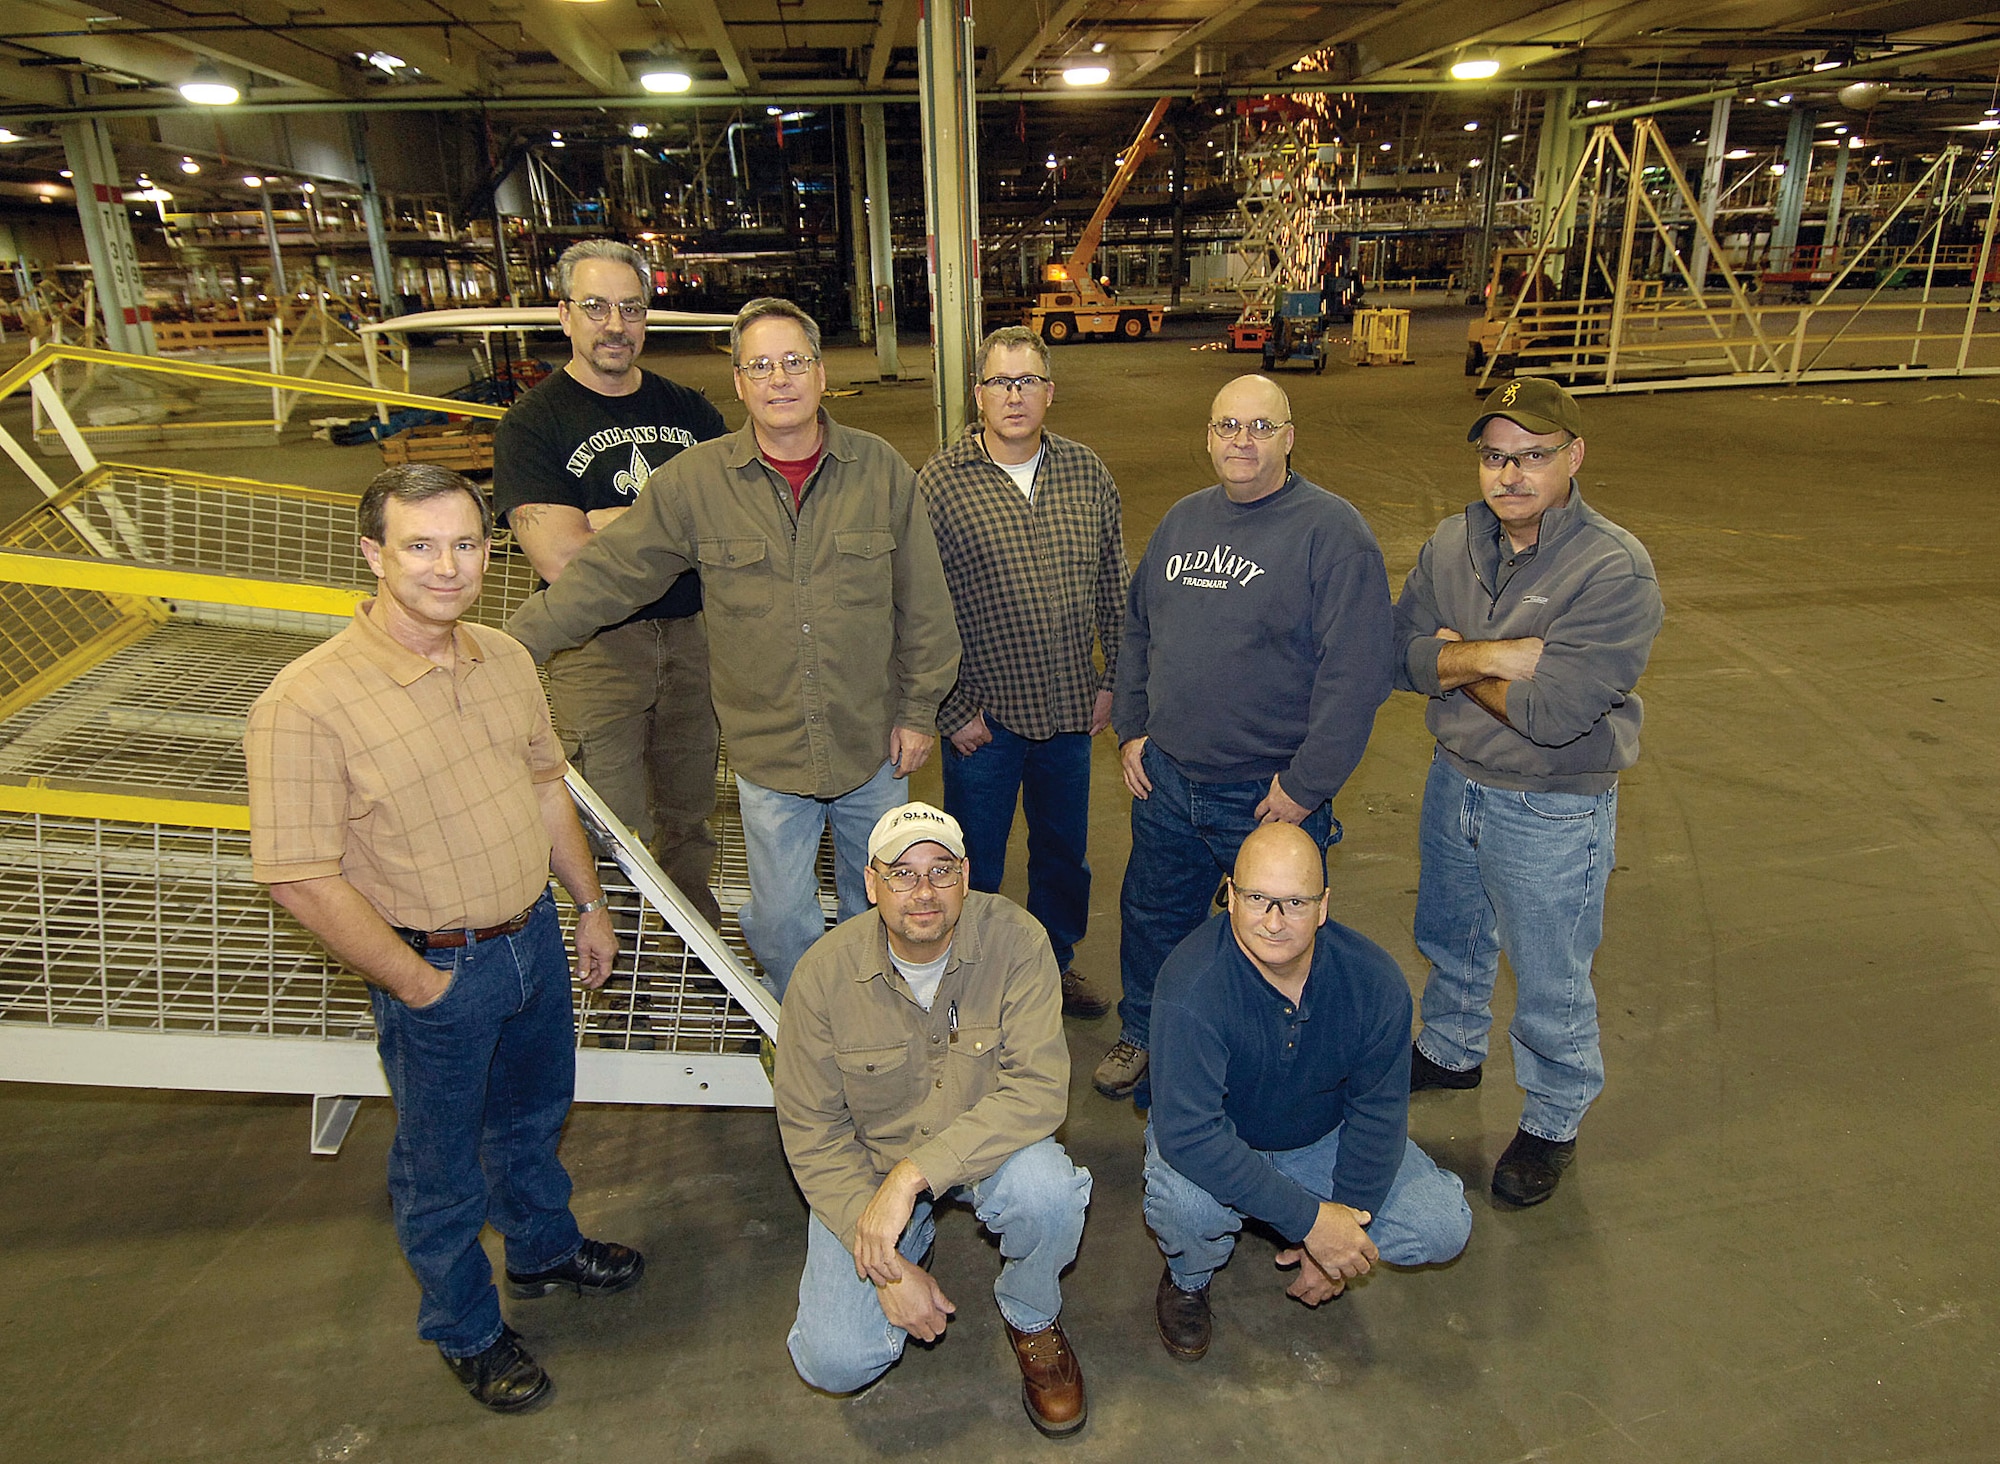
{"x":1073,"y":302}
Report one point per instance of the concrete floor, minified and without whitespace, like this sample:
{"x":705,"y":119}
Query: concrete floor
{"x":1774,"y":1245}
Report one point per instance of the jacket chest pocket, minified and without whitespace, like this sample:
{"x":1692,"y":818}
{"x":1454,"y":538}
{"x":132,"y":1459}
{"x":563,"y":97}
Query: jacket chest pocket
{"x":736,"y":575}
{"x":875,"y":1079}
{"x":975,"y":1050}
{"x":863,"y":566}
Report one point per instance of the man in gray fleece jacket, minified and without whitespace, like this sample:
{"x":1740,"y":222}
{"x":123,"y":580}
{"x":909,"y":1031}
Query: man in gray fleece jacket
{"x":1527,"y":622}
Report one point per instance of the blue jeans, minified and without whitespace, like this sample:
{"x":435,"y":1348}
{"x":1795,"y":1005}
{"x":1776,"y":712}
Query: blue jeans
{"x":1034,"y":1202}
{"x":1424,"y":1219}
{"x":482,"y":1080}
{"x":781,"y":833}
{"x":1051,"y":777}
{"x":1184,"y":840}
{"x":1523,"y":873}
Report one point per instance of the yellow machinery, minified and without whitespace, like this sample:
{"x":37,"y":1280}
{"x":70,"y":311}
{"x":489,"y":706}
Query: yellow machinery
{"x":141,"y":611}
{"x":1073,"y":302}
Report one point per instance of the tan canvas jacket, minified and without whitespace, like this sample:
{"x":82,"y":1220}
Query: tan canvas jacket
{"x":826,"y":626}
{"x":866,"y":1077}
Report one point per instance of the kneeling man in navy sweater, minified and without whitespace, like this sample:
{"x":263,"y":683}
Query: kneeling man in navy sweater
{"x":1281,"y":1092}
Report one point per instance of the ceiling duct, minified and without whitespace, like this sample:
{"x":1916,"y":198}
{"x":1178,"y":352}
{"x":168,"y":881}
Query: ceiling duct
{"x":1210,"y":61}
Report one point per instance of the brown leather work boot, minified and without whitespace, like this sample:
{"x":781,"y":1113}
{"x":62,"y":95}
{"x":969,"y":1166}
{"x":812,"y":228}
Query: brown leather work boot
{"x":1051,"y":1379}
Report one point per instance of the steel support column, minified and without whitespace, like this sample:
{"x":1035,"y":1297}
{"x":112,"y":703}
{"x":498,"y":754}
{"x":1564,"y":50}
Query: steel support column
{"x":1711,"y":186}
{"x":881,"y":240}
{"x":1556,"y":155}
{"x":951,"y":202}
{"x":1792,"y":192}
{"x":107,"y":236}
{"x":1180,"y":218}
{"x":371,"y":216}
{"x":857,"y":222}
{"x":279,"y":289}
{"x":1830,"y":236}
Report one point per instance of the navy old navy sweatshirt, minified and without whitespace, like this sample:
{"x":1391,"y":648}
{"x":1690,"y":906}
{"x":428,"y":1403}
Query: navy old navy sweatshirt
{"x":1237,"y":1068}
{"x":1257,"y":640}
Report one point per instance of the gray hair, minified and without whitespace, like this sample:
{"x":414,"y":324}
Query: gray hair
{"x":763,"y":308}
{"x":609,"y":249}
{"x":1014,"y":335}
{"x":416,"y":483}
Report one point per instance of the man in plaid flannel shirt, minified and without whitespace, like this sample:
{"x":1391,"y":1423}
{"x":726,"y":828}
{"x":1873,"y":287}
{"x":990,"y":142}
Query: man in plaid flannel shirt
{"x":1028,"y":526}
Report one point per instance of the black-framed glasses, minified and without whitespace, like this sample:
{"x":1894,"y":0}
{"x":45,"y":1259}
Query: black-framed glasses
{"x":599,"y":311}
{"x":1292,"y":907}
{"x":793,"y":363}
{"x":939,"y":877}
{"x":1533,"y":460}
{"x":1261,"y":428}
{"x":1009,"y":384}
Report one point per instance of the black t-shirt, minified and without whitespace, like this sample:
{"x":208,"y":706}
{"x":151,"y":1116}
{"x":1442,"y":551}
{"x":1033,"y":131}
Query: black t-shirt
{"x":564,"y":443}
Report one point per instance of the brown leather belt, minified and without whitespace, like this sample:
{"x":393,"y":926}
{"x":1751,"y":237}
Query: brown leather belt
{"x":445,"y":940}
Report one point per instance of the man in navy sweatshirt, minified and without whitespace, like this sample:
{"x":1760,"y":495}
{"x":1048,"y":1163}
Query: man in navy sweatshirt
{"x":1526,"y":622}
{"x":1281,"y":1091}
{"x":1257,"y":650}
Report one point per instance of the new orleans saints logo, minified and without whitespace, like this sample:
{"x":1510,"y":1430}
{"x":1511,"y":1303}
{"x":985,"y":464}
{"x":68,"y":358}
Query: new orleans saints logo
{"x":631,"y":479}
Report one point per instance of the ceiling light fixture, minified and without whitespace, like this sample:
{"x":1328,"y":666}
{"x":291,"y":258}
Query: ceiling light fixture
{"x":1385,"y":147}
{"x":666,"y":77}
{"x":190,"y":166}
{"x":640,"y":130}
{"x":251,"y":180}
{"x":1472,"y":127}
{"x":1475,"y":66}
{"x":1737,"y":154}
{"x":1097,"y":48}
{"x":7,"y":134}
{"x":206,"y":88}
{"x":1834,"y":59}
{"x":1086,"y":75}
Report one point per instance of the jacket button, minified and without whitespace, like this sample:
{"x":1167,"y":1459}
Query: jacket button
{"x":925,"y":1130}
{"x":871,"y":1067}
{"x":940,"y":1082}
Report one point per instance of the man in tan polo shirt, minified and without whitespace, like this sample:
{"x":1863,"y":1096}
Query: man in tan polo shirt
{"x":406,"y":805}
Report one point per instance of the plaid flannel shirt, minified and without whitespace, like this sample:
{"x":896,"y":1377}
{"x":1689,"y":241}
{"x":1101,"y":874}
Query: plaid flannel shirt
{"x":1031,"y":582}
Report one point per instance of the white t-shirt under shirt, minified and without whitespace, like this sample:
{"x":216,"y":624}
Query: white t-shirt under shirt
{"x":1023,"y":474}
{"x":923,"y":980}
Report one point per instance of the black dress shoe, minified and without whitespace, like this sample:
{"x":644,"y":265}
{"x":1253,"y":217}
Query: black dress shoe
{"x":597,"y":1269}
{"x":1185,"y":1323}
{"x":503,"y":1377}
{"x":1426,"y":1074}
{"x":1531,"y":1168}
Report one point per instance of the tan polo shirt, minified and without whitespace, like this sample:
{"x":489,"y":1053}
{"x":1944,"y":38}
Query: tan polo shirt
{"x":415,"y":782}
{"x":865,"y":1076}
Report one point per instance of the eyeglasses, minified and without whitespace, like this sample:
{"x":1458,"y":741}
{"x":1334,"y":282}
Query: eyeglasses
{"x":629,"y":311}
{"x":903,"y":880}
{"x":1533,"y":460}
{"x":1261,"y":428}
{"x":761,"y":368}
{"x":1292,"y":907}
{"x":1009,"y":384}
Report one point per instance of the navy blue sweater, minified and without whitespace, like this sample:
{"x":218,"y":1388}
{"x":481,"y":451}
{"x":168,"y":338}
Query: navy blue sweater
{"x":1236,"y":1068}
{"x":1257,"y":640}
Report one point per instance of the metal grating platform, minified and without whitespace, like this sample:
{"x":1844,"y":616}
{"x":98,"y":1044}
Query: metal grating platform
{"x":134,"y":946}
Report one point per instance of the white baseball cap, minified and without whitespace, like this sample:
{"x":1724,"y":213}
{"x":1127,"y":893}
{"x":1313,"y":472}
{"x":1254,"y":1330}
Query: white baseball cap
{"x":914,"y":823}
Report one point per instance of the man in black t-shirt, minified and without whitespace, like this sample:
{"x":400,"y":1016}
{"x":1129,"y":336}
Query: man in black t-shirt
{"x":631,"y":704}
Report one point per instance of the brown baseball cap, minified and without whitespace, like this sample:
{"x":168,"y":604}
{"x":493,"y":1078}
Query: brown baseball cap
{"x":1533,"y":402}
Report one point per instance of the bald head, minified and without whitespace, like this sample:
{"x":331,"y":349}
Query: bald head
{"x":1277,"y":900}
{"x":1247,"y":468}
{"x":1280,"y":854}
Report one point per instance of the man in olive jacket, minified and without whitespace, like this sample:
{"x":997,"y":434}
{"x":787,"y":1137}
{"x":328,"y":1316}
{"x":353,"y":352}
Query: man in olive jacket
{"x":921,"y":1058}
{"x":831,"y":638}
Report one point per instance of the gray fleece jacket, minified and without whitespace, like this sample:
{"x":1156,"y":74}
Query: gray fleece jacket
{"x":1587,"y":589}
